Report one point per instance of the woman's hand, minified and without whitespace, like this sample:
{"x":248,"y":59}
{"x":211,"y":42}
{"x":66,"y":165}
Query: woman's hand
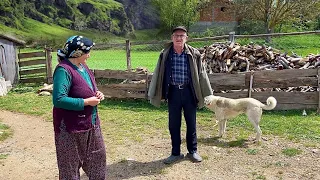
{"x":91,"y":101}
{"x":100,"y":95}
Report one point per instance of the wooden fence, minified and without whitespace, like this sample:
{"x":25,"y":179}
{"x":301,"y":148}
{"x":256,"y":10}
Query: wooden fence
{"x":35,"y":66}
{"x":236,"y":85}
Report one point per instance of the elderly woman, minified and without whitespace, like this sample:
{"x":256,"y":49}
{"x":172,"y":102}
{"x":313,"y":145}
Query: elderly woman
{"x":78,"y":138}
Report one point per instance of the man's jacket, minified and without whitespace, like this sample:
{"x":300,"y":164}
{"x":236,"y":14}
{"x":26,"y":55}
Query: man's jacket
{"x":160,"y":82}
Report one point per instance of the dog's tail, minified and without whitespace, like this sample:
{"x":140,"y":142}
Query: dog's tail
{"x":271,"y":103}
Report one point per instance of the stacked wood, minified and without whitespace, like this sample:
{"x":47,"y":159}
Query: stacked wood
{"x":233,"y":58}
{"x":46,"y":90}
{"x":3,"y":87}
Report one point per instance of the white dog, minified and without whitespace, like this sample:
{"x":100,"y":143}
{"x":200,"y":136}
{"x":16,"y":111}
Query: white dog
{"x":226,"y":108}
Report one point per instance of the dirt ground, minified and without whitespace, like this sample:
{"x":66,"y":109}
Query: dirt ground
{"x":31,"y":156}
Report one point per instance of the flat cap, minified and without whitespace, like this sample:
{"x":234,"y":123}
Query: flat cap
{"x":179,"y":28}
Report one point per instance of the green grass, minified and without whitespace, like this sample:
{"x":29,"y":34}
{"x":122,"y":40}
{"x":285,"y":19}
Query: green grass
{"x":258,"y":176}
{"x":252,"y":151}
{"x":302,"y":45}
{"x":5,"y":132}
{"x":146,"y":35}
{"x":291,"y":152}
{"x":131,"y":119}
{"x":290,"y":124}
{"x":116,"y":59}
{"x":3,"y":156}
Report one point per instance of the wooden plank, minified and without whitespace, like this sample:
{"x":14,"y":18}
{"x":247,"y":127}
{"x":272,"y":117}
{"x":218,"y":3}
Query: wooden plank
{"x":32,"y":62}
{"x":33,"y":80}
{"x":319,"y":91}
{"x":31,"y":55}
{"x":285,"y":100}
{"x":43,"y":75}
{"x":118,"y":74}
{"x":234,"y":95}
{"x":284,"y":78}
{"x":49,"y":65}
{"x":307,"y":98}
{"x":116,"y":93}
{"x":285,"y":83}
{"x":24,"y":68}
{"x":285,"y":74}
{"x":221,"y":81}
{"x":295,"y":106}
{"x":33,"y":71}
{"x":129,"y":87}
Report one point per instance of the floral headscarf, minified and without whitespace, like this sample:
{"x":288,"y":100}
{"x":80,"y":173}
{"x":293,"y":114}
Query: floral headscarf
{"x":75,"y":46}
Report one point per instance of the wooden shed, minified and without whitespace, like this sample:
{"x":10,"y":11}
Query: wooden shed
{"x":9,"y":57}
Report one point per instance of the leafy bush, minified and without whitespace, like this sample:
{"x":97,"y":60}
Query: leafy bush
{"x":251,"y":27}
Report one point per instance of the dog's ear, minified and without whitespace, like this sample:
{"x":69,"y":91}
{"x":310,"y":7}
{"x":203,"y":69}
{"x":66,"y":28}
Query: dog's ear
{"x":207,"y":101}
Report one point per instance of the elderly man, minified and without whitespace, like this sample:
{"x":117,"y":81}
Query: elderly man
{"x":181,"y":79}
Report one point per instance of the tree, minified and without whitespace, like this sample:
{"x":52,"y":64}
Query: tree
{"x":274,"y":12}
{"x":177,"y":12}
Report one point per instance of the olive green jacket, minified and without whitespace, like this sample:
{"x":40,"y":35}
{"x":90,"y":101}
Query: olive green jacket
{"x":200,"y":80}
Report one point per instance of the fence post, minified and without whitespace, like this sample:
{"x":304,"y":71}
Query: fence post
{"x":147,"y":85}
{"x":251,"y":84}
{"x":49,"y":65}
{"x":231,"y":36}
{"x":319,"y":91}
{"x":128,"y":49}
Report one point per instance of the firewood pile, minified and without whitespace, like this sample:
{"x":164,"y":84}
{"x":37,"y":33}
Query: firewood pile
{"x":46,"y":90}
{"x":233,"y":58}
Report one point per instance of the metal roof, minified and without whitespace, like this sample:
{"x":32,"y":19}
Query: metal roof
{"x":13,"y":39}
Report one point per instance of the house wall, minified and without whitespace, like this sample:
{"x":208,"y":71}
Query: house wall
{"x":8,"y":60}
{"x":217,"y":12}
{"x":214,"y":16}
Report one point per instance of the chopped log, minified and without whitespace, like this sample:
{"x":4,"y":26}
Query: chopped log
{"x":232,"y":66}
{"x":284,"y":63}
{"x":305,"y":66}
{"x":220,"y":58}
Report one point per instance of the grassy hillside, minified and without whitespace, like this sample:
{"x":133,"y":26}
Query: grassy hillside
{"x":47,"y":22}
{"x":40,"y":34}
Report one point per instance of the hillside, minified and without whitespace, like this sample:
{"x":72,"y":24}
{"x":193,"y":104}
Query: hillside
{"x":63,"y":17}
{"x":141,"y":13}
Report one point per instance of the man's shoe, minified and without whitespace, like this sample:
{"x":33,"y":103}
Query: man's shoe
{"x":194,"y":157}
{"x":172,"y":159}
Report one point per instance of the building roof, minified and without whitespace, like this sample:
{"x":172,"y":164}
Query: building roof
{"x":13,"y":39}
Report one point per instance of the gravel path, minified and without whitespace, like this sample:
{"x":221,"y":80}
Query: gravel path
{"x":31,"y":156}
